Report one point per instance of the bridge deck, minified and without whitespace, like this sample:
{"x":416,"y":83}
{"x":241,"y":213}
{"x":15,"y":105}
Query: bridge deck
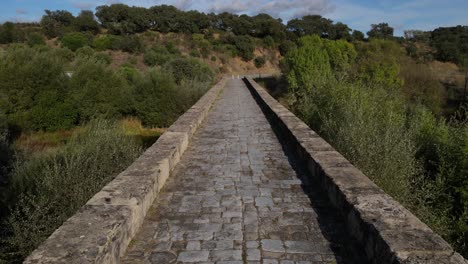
{"x":235,"y":197}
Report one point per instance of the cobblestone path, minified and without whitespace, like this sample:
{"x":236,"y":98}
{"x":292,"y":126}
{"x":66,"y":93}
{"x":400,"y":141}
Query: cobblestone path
{"x":235,"y":198}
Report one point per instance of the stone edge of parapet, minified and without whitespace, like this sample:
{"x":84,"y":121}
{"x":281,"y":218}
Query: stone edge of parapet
{"x":388,"y":232}
{"x":102,"y":229}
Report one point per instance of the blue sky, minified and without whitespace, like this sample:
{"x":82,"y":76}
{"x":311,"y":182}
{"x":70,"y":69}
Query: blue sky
{"x":358,"y":14}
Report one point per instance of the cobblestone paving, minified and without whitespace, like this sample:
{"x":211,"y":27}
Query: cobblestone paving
{"x":235,"y":198}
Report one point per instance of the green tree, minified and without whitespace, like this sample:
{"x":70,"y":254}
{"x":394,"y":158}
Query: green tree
{"x":96,"y":91}
{"x":56,"y":23}
{"x":85,"y":22}
{"x":189,"y":69}
{"x":358,"y":35}
{"x":382,"y":30}
{"x":74,"y":40}
{"x":310,"y":25}
{"x":35,"y":39}
{"x":7,"y":33}
{"x":377,"y":63}
{"x":259,"y":62}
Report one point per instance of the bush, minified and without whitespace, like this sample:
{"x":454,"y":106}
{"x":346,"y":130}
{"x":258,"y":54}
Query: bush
{"x":74,"y":40}
{"x":190,"y":69}
{"x":85,"y":51}
{"x":260,"y":62}
{"x":105,"y":42}
{"x":103,"y":57}
{"x":245,"y":46}
{"x":269,"y":42}
{"x":130,"y":44}
{"x":153,"y":58}
{"x":48,"y":188}
{"x":96,"y":91}
{"x":155,"y":93}
{"x":286,"y":46}
{"x":42,"y":86}
{"x":195,"y":53}
{"x":35,"y":39}
{"x":213,"y":58}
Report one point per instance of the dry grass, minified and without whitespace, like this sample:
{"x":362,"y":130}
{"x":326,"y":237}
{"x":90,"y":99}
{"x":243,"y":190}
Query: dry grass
{"x":39,"y":142}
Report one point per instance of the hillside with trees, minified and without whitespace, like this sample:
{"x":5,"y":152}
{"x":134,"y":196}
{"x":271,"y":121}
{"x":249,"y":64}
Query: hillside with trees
{"x":76,"y":89}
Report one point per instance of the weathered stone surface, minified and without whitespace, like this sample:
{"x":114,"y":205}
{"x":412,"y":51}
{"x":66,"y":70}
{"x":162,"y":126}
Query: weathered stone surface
{"x":193,"y":256}
{"x":388,"y":232}
{"x":236,"y":193}
{"x":101,"y":231}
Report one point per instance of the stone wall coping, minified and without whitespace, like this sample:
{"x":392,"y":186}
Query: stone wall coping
{"x":102,"y":229}
{"x":388,"y":232}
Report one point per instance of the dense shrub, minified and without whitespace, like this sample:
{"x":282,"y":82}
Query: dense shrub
{"x":190,"y":69}
{"x":286,"y":46}
{"x":103,"y":57}
{"x":85,"y":51}
{"x":153,"y":58}
{"x":130,"y":44}
{"x":155,"y":94}
{"x":419,"y":160}
{"x":96,"y":91}
{"x":46,"y":189}
{"x":421,"y":86}
{"x":377,"y":63}
{"x":105,"y":42}
{"x":42,"y":85}
{"x":34,"y":39}
{"x":74,"y":40}
{"x":259,"y":62}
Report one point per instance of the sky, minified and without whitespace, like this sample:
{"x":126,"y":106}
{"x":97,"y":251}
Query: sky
{"x":357,"y":14}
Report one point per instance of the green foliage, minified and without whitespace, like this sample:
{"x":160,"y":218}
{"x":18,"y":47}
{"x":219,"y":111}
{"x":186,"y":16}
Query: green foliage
{"x":56,"y":23}
{"x":6,"y":152}
{"x":443,"y":150}
{"x":451,"y":43}
{"x":189,"y":69}
{"x":382,"y":31}
{"x":96,"y":91}
{"x":213,"y":58}
{"x":6,"y":33}
{"x":377,"y":63}
{"x":46,"y":189}
{"x":74,"y":40}
{"x":286,"y":46}
{"x":244,"y":46}
{"x":85,"y":22}
{"x":315,"y":61}
{"x":154,"y":97}
{"x":157,"y":55}
{"x":318,"y":25}
{"x":421,"y":86}
{"x":269,"y":42}
{"x":358,"y":35}
{"x":121,"y":19}
{"x":259,"y":62}
{"x":105,"y":42}
{"x":418,"y":159}
{"x":11,"y":33}
{"x":195,"y":53}
{"x":103,"y":57}
{"x":85,"y":51}
{"x":35,"y":39}
{"x":130,"y":44}
{"x":41,"y":75}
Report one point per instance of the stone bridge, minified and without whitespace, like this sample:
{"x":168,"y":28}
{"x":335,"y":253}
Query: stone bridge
{"x":239,"y":179}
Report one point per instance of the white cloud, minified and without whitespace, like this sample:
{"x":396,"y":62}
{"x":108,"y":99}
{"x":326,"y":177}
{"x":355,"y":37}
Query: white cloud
{"x":412,"y":14}
{"x":20,"y":11}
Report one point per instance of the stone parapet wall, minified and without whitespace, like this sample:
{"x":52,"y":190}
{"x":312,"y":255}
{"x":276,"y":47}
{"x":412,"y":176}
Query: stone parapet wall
{"x":387,"y":231}
{"x":102,"y":229}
